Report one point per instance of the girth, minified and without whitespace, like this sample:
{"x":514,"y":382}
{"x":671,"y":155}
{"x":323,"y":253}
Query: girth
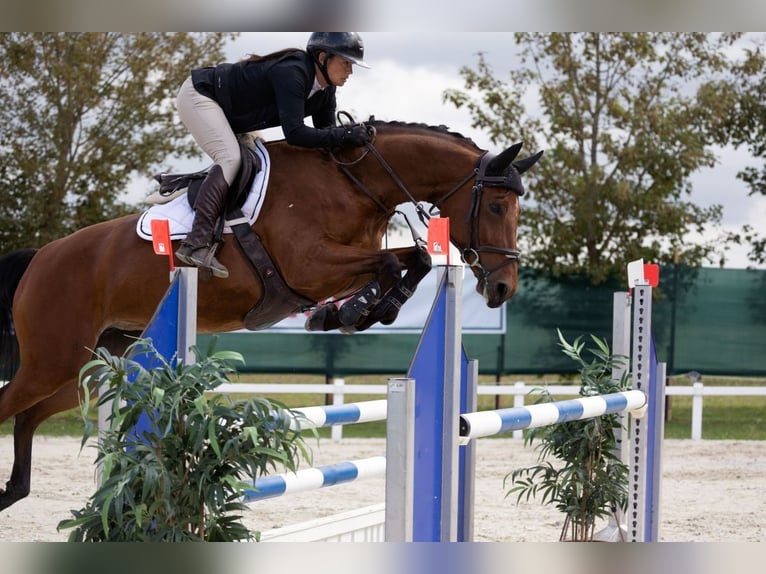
{"x":278,"y":300}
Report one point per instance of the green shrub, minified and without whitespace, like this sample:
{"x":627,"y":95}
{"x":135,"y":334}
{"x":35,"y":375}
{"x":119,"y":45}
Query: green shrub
{"x":588,"y":480}
{"x":183,"y":479}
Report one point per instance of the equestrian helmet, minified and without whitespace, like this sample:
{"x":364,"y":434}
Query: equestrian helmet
{"x":347,"y":45}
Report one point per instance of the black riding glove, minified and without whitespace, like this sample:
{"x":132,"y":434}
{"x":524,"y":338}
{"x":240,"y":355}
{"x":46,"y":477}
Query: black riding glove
{"x":355,"y":136}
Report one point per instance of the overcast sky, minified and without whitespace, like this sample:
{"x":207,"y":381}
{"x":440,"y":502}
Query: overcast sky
{"x":410,"y":71}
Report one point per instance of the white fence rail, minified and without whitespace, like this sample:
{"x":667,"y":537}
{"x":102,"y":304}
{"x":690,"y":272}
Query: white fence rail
{"x":338,"y":389}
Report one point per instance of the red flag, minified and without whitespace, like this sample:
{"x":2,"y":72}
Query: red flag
{"x":161,"y":239}
{"x":438,"y":240}
{"x":652,"y":274}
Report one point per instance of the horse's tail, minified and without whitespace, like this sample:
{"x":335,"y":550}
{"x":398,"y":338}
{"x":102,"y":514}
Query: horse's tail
{"x":12,"y":267}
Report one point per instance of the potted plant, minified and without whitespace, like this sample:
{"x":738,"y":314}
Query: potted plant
{"x":183,"y":478}
{"x":579,"y":470}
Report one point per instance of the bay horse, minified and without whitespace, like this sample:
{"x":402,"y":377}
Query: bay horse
{"x":323,"y":222}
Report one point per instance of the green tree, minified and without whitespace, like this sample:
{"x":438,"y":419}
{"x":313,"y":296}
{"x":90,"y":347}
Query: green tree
{"x":739,"y":119}
{"x":619,"y":119}
{"x":80,"y":114}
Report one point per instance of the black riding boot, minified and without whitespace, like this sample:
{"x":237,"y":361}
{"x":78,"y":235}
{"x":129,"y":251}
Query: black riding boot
{"x":197,"y":248}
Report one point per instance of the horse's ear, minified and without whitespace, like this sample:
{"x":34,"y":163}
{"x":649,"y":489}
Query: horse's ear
{"x":524,"y":164}
{"x":502,"y":160}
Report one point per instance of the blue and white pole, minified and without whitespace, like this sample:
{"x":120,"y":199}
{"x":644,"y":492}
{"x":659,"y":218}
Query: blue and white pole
{"x":490,"y":423}
{"x":315,"y":478}
{"x":329,"y":415}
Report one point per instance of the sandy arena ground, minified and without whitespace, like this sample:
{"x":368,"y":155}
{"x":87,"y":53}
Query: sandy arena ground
{"x":712,"y":491}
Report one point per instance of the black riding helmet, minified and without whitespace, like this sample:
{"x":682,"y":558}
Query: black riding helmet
{"x":347,"y":45}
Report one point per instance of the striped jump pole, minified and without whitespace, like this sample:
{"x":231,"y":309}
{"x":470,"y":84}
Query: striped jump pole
{"x":329,"y":415}
{"x":490,"y":423}
{"x":315,"y":478}
{"x":332,"y":474}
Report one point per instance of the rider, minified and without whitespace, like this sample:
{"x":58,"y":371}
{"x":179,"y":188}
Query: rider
{"x":280,"y":89}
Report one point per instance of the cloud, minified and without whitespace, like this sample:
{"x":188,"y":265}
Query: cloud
{"x":391,"y":91}
{"x":719,"y":185}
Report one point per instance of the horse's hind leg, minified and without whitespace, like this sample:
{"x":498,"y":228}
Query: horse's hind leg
{"x":27,"y":421}
{"x":25,"y":424}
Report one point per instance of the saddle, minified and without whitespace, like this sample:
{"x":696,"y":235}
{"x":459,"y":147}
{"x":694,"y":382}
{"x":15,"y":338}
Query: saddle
{"x":174,"y":184}
{"x":278,"y":300}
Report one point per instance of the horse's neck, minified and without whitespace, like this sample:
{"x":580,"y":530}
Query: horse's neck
{"x":422,"y":168}
{"x":426,"y":169}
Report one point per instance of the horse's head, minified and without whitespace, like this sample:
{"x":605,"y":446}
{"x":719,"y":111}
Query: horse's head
{"x":419,"y":162}
{"x":486,"y":233}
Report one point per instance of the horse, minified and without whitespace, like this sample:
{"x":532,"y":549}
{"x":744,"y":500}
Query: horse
{"x":323,"y":222}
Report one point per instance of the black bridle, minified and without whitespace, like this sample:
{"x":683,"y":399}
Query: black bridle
{"x":471,"y":253}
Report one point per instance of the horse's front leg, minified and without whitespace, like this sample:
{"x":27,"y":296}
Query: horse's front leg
{"x":354,"y":311}
{"x":418,"y":263}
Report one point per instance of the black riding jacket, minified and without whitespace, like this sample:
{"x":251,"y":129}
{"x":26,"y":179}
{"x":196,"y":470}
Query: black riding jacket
{"x":270,"y":93}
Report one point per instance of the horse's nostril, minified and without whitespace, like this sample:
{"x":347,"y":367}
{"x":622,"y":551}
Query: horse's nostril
{"x":502,"y":290}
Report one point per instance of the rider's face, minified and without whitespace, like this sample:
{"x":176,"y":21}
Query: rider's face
{"x":339,"y":69}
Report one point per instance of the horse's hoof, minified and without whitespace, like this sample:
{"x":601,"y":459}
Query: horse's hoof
{"x":315,"y":321}
{"x":387,"y":311}
{"x":324,"y":318}
{"x":9,"y":496}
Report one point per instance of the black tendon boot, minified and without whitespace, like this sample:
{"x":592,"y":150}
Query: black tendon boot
{"x":360,"y":304}
{"x":197,"y":248}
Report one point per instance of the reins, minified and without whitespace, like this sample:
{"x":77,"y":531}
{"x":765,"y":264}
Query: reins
{"x":469,"y":254}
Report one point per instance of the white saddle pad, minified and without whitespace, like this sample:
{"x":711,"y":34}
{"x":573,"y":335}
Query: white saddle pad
{"x":180,"y":214}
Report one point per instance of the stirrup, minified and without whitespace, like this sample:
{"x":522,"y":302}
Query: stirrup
{"x":183,"y":254}
{"x":204,"y":257}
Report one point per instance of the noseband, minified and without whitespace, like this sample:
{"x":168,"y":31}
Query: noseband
{"x":471,"y":253}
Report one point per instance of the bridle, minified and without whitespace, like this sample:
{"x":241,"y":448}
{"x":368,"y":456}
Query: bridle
{"x":471,"y":252}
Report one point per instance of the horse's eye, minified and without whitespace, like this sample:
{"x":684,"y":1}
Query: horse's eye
{"x":496,"y":208}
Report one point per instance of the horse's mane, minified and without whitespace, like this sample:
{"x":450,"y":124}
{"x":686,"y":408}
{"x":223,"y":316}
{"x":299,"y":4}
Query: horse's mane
{"x":410,"y":126}
{"x":442,"y":129}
